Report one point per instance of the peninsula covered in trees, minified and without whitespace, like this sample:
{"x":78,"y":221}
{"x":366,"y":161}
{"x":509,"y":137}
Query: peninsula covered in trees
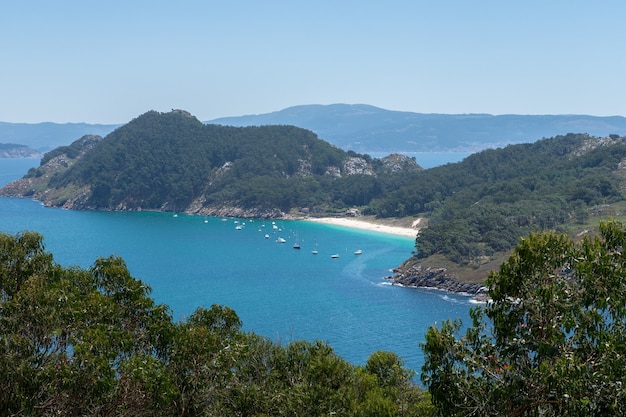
{"x":550,"y":343}
{"x":478,"y":209}
{"x":173,"y":162}
{"x":474,"y":212}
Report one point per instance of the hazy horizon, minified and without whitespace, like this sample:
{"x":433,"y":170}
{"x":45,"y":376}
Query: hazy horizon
{"x":304,"y":105}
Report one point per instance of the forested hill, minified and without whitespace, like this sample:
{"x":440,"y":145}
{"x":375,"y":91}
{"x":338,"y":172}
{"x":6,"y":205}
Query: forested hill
{"x":173,"y":162}
{"x":475,"y":211}
{"x":478,"y":209}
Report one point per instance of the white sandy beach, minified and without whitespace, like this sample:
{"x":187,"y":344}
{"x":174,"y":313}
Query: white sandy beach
{"x":365,"y":225}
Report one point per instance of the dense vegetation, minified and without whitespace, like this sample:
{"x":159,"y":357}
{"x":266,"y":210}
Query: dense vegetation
{"x":92,"y":342}
{"x":475,"y":209}
{"x":174,"y":162}
{"x":168,"y":158}
{"x":79,"y":342}
{"x":485,"y":203}
{"x":552,"y":342}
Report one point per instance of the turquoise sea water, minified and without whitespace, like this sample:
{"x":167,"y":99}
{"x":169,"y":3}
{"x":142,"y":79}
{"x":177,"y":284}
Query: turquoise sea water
{"x":280,"y":292}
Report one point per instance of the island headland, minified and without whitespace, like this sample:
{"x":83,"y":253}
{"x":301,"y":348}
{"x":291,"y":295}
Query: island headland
{"x":466,"y":217}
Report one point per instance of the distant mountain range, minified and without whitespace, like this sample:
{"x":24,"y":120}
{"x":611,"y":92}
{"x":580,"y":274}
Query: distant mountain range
{"x":365,"y":128}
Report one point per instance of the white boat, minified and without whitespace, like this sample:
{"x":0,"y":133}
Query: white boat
{"x":296,"y":245}
{"x":267,"y":236}
{"x":358,"y":252}
{"x":280,"y":240}
{"x":238,"y":227}
{"x":314,"y":251}
{"x":334,"y":256}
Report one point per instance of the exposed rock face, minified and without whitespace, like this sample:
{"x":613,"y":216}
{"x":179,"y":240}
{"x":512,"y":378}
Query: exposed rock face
{"x":304,"y":168}
{"x":34,"y":185}
{"x":225,"y":211}
{"x":420,"y":276}
{"x":396,"y":163}
{"x":333,"y":171}
{"x":356,"y":165}
{"x":592,"y":143}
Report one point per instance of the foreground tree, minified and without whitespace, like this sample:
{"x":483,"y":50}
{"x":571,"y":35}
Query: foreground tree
{"x":551,"y":343}
{"x":79,"y":342}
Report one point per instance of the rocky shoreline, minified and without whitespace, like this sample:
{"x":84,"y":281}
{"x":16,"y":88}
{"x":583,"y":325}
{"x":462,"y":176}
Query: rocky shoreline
{"x":420,"y":276}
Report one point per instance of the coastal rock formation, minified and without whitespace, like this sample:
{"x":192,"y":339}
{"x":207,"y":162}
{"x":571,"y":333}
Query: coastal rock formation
{"x":225,"y":211}
{"x":420,"y":276}
{"x":355,"y":165}
{"x":35,"y":185}
{"x":398,"y":163}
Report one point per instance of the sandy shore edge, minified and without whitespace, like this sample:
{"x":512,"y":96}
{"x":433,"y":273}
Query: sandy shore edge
{"x":355,"y":223}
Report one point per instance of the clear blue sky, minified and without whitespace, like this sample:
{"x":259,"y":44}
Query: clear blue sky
{"x":110,"y":61}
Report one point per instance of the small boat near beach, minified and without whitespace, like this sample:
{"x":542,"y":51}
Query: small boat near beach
{"x":280,"y":240}
{"x":296,"y":244}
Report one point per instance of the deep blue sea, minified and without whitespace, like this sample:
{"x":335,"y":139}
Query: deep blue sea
{"x":277,"y":291}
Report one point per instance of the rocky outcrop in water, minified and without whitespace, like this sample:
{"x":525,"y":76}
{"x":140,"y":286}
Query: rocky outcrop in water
{"x":420,"y":276}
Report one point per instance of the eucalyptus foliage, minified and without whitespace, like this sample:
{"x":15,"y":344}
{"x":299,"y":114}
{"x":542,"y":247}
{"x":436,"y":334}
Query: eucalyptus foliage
{"x":77,"y":342}
{"x":552,"y":342}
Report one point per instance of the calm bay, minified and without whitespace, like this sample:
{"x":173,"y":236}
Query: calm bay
{"x":277,"y":291}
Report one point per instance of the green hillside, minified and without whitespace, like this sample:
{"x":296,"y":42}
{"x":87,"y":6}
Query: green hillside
{"x":479,"y":208}
{"x":172,"y":161}
{"x":475,"y":211}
